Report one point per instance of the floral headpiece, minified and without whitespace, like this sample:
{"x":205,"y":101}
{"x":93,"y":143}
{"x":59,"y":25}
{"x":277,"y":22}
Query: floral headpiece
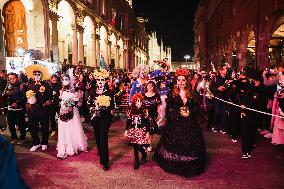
{"x":182,"y":71}
{"x":140,"y":69}
{"x":30,"y":93}
{"x":136,"y":96}
{"x":101,"y":73}
{"x":162,"y":63}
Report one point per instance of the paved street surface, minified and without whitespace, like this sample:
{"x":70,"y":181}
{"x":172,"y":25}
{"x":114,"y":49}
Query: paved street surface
{"x":225,"y":168}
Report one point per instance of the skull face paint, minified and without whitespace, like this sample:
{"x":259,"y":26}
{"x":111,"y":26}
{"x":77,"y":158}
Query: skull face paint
{"x":138,"y":103}
{"x":101,"y":81}
{"x":65,"y":81}
{"x":37,"y":76}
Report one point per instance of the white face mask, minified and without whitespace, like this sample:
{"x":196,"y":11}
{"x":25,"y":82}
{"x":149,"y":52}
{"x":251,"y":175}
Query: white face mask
{"x":101,"y":82}
{"x":65,"y":81}
{"x":37,"y":76}
{"x":138,"y":103}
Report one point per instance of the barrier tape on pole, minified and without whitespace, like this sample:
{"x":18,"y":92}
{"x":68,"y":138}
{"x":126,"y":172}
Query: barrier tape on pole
{"x":240,"y":106}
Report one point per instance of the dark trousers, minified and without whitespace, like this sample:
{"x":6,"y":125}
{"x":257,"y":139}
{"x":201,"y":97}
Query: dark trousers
{"x":210,"y":116}
{"x":233,"y":125}
{"x":219,"y":118}
{"x":52,"y":113}
{"x":101,"y":128}
{"x":41,"y":118}
{"x":249,"y":130}
{"x":16,"y":117}
{"x":138,"y":148}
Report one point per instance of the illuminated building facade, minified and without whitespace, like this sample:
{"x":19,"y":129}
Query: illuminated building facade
{"x":158,"y":52}
{"x":239,"y":32}
{"x":73,"y":30}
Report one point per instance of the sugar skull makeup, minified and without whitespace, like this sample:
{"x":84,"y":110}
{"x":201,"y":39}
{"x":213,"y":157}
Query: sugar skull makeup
{"x":65,"y":81}
{"x":37,"y":76}
{"x":101,"y":81}
{"x":138,"y":103}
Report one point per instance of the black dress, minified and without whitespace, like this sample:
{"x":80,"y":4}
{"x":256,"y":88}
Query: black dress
{"x":151,"y":103}
{"x":181,"y":149}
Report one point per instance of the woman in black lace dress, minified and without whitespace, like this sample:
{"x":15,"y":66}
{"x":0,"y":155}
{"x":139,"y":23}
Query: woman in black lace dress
{"x":181,"y":149}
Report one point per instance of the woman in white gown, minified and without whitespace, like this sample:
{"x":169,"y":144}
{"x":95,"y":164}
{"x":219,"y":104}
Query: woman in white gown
{"x":71,"y":136}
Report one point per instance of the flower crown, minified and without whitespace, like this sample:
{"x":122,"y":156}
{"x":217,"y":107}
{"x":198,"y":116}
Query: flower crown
{"x":101,"y":73}
{"x":136,"y":96}
{"x":182,"y":71}
{"x":162,"y":63}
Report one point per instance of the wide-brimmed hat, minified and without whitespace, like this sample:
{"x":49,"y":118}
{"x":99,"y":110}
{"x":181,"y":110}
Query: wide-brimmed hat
{"x":37,"y":68}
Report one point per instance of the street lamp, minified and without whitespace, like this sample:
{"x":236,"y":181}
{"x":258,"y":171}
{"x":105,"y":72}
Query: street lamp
{"x":186,"y":57}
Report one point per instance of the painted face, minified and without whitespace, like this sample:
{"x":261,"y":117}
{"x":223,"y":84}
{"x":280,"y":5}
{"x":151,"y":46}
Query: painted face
{"x":150,"y":87}
{"x":101,"y":82}
{"x":37,"y":76}
{"x":65,"y":81}
{"x":138,"y":103}
{"x":181,"y":81}
{"x":141,"y":75}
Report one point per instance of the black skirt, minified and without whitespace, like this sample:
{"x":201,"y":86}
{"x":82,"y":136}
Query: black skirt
{"x":181,"y":150}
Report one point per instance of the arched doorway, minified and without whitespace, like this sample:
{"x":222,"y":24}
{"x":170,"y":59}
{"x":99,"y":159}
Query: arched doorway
{"x":103,"y":44}
{"x":121,"y":54}
{"x":250,"y":55}
{"x":276,"y":46}
{"x":15,"y":27}
{"x":24,"y":26}
{"x":88,"y":40}
{"x":65,"y":31}
{"x":114,"y":53}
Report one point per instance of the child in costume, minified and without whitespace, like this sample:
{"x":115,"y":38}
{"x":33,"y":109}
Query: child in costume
{"x":137,"y":128}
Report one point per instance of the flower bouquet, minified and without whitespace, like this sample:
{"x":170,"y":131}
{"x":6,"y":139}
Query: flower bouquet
{"x":66,"y":110}
{"x":102,"y":102}
{"x":30,"y":94}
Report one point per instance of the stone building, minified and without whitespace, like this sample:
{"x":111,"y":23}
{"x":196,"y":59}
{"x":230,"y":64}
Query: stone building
{"x":73,"y":30}
{"x":239,"y":32}
{"x":158,"y":51}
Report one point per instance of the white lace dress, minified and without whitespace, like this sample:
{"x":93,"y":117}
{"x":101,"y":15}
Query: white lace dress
{"x":71,"y":136}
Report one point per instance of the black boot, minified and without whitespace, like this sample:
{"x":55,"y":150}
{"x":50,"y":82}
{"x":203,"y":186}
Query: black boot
{"x":143,"y":159}
{"x":136,"y":165}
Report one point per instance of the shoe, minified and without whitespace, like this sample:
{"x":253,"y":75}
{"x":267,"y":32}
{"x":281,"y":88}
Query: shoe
{"x":223,"y":132}
{"x":214,"y":130}
{"x":106,"y":167}
{"x":234,"y":140}
{"x":53,"y":133}
{"x":143,"y":159}
{"x":43,"y":147}
{"x":249,"y":155}
{"x":245,"y":156}
{"x":34,"y":148}
{"x":149,"y":149}
{"x":20,"y":142}
{"x":136,"y":166}
{"x":268,"y":135}
{"x":14,"y":141}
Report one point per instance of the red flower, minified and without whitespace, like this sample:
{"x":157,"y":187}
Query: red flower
{"x":136,"y":96}
{"x":182,"y":71}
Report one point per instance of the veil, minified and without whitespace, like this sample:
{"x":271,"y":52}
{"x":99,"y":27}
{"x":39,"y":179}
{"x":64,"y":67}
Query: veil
{"x":70,"y":72}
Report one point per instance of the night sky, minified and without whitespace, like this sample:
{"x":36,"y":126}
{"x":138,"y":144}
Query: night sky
{"x":173,"y":20}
